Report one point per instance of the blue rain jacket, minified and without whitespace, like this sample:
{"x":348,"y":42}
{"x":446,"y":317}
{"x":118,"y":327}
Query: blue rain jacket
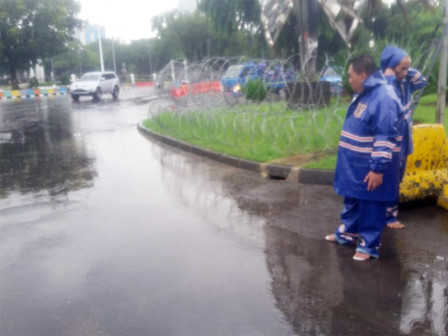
{"x":370,"y":141}
{"x":414,"y":81}
{"x":390,"y":58}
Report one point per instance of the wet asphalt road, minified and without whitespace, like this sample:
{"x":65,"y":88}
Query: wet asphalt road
{"x":106,"y":232}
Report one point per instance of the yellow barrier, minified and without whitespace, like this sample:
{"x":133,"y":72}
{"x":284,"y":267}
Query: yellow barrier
{"x":427,"y":168}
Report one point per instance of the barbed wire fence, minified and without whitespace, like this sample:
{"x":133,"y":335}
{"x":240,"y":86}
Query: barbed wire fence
{"x":224,"y":116}
{"x":298,"y":116}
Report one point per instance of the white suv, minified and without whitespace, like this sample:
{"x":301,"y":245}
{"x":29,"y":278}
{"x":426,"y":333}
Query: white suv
{"x":95,"y":84}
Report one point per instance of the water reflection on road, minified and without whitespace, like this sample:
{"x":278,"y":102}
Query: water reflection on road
{"x":316,"y":285}
{"x":103,"y":232}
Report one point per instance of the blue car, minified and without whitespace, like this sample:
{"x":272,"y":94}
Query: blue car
{"x":238,"y":75}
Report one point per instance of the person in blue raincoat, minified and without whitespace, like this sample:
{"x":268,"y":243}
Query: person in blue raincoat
{"x":396,"y":67}
{"x":367,"y":163}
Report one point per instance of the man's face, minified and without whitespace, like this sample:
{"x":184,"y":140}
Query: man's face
{"x":401,"y":70}
{"x":356,"y":80}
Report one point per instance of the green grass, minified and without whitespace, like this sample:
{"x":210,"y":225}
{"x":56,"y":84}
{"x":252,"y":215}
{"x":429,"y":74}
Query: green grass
{"x":426,"y":111}
{"x":265,"y":132}
{"x":259,"y":132}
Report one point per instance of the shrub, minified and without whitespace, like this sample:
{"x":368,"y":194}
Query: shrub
{"x":255,"y":90}
{"x":34,"y":83}
{"x":65,"y":79}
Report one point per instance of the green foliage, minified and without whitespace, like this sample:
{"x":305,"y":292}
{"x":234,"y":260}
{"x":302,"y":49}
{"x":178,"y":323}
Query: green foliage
{"x":193,"y":32}
{"x":65,"y":79}
{"x":237,"y":26}
{"x":34,"y":83}
{"x":30,"y":30}
{"x":230,"y":16}
{"x":255,"y":89}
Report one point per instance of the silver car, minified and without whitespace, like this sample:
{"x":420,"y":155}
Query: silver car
{"x":95,"y":84}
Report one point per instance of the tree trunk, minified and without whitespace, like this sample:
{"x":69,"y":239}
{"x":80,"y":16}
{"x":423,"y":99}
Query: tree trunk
{"x":14,"y":81}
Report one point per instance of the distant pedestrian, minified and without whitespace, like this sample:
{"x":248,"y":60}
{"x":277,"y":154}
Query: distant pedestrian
{"x":367,"y":167}
{"x":396,"y":67}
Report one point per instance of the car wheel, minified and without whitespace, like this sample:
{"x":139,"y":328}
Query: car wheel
{"x":115,"y":92}
{"x":97,"y":94}
{"x":75,"y":97}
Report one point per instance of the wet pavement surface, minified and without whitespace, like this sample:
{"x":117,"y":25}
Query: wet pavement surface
{"x":106,"y":232}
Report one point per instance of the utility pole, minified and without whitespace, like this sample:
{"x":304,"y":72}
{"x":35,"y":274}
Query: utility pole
{"x":150,"y":60}
{"x":441,"y":88}
{"x":113,"y":56}
{"x":101,"y":48}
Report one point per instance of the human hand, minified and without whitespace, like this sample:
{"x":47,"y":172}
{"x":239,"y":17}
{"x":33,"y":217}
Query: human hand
{"x":374,"y":180}
{"x":389,"y":72}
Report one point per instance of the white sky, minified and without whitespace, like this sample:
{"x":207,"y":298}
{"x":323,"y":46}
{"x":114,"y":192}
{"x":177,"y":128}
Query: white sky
{"x":128,"y":20}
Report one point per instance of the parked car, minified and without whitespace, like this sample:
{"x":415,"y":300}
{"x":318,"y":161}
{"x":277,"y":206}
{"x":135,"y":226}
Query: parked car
{"x":95,"y":84}
{"x":237,"y":76}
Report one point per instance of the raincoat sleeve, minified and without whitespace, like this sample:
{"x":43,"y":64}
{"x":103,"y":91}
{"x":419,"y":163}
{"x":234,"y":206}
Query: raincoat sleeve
{"x":385,"y":134}
{"x":416,"y":80}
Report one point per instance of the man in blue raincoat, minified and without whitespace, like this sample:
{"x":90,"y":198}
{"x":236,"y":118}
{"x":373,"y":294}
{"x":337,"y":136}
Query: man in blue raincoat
{"x":396,"y":67}
{"x":367,"y":163}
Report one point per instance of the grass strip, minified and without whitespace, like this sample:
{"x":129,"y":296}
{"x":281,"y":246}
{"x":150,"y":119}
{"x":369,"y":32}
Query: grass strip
{"x":258,"y":132}
{"x":269,"y":131}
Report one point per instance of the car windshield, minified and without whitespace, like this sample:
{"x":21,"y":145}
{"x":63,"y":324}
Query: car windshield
{"x":89,"y":77}
{"x":233,"y":71}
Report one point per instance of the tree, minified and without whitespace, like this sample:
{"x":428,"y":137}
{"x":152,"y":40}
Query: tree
{"x":231,"y":18}
{"x":33,"y":29}
{"x":76,"y":59}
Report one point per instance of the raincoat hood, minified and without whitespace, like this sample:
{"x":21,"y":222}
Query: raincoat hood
{"x":391,"y":57}
{"x":374,"y":80}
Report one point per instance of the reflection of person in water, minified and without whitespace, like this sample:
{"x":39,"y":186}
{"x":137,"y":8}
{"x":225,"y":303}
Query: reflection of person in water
{"x":300,"y":283}
{"x":425,"y":303}
{"x":367,"y":167}
{"x":320,"y":295}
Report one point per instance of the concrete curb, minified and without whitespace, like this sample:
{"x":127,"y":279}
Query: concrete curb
{"x":274,"y":171}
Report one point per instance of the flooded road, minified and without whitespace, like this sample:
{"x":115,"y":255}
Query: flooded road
{"x":106,"y":232}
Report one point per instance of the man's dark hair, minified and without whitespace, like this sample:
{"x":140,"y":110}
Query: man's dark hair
{"x":364,"y":63}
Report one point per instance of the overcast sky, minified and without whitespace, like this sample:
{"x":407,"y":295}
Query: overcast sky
{"x":129,"y":19}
